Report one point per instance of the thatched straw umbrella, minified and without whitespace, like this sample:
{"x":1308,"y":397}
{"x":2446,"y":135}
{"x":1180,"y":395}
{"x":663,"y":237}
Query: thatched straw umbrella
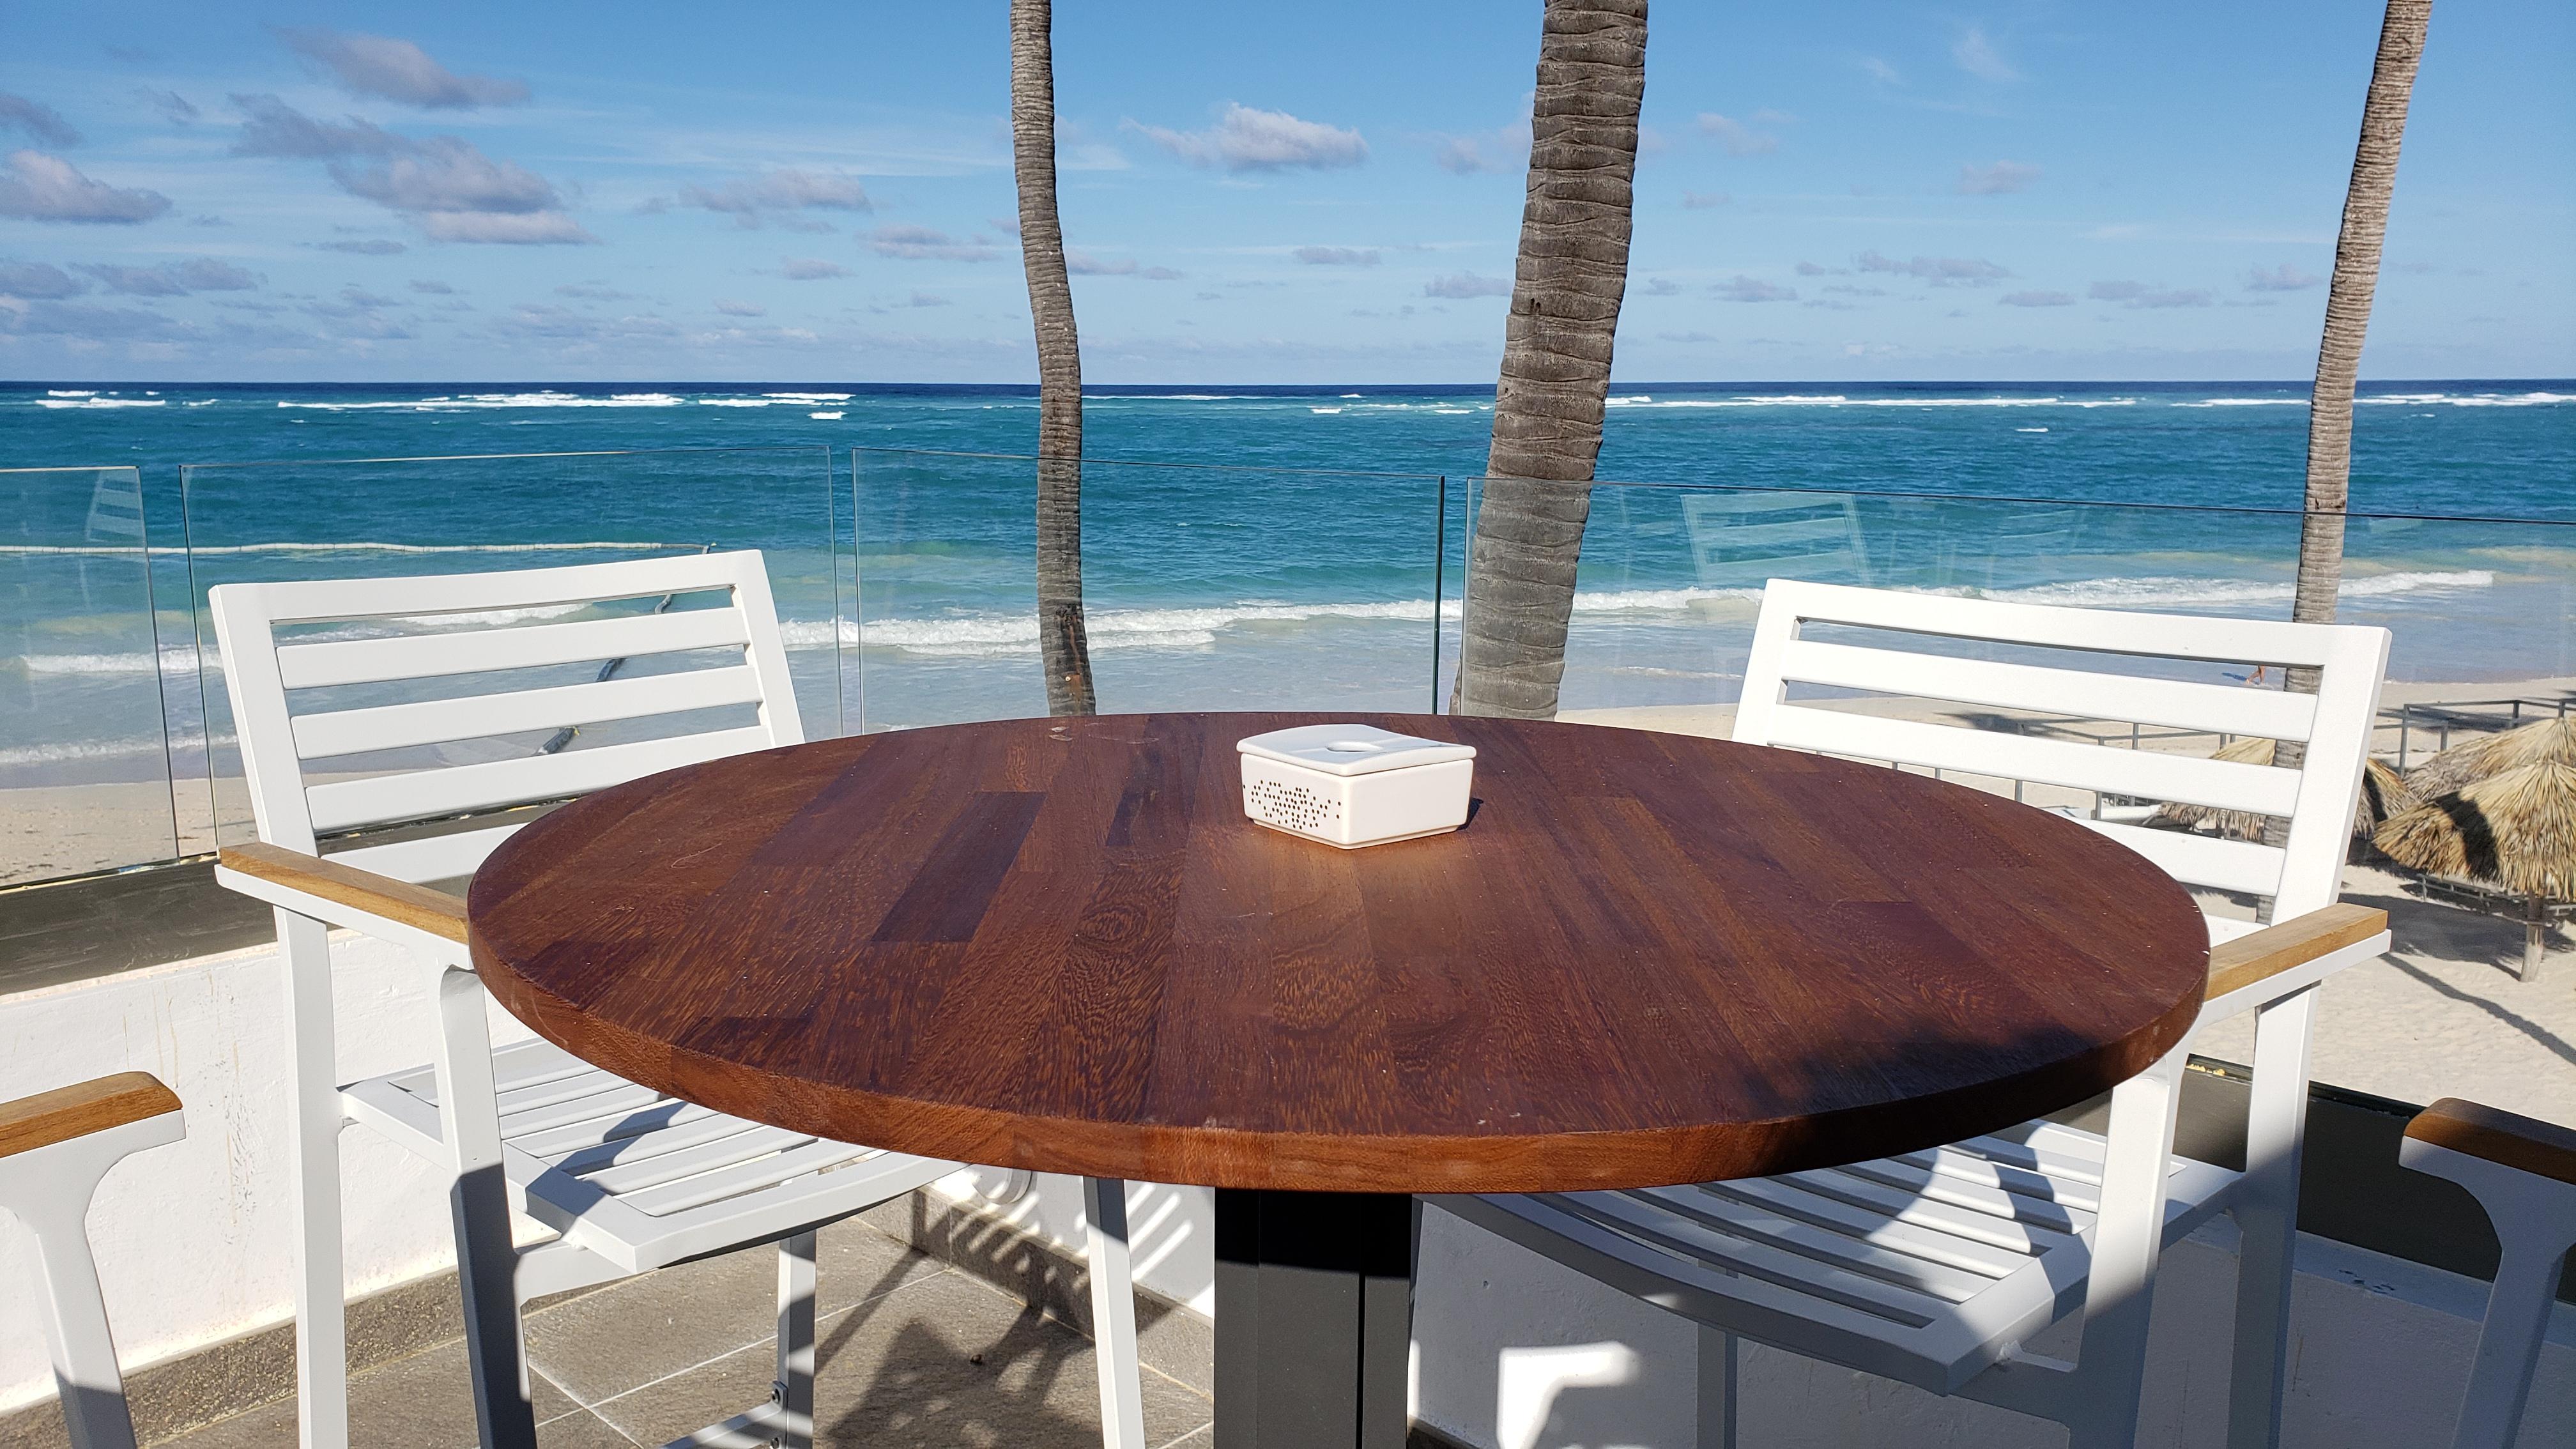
{"x":2458,"y":766}
{"x":2383,"y":793}
{"x":2513,"y":832}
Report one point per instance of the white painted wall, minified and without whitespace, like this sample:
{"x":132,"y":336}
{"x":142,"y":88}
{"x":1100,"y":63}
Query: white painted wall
{"x":1513,"y":1351}
{"x":194,"y":1241}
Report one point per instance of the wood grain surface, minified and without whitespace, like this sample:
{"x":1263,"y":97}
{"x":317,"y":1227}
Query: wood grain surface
{"x":2525,"y":1144}
{"x":77,"y":1111}
{"x":1058,"y":944}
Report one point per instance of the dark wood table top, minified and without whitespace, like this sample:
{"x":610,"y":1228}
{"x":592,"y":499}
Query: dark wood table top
{"x":1647,"y":959}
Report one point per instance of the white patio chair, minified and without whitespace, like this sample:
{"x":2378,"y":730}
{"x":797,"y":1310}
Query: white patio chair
{"x":54,"y":1148}
{"x":1938,"y":1267}
{"x":629,"y":1179}
{"x":2523,"y":1172}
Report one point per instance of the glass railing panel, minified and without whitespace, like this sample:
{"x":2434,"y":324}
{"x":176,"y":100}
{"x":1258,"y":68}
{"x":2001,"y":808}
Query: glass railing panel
{"x":257,"y":522}
{"x":1204,"y":588}
{"x":84,"y":764}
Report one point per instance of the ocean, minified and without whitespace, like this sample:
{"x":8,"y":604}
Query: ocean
{"x":1248,"y":546}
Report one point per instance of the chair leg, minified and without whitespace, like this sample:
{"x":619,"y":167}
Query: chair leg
{"x":793,"y":1391}
{"x":313,"y":1163}
{"x":1717,"y":1385}
{"x":49,"y":1189}
{"x":2128,"y":1237}
{"x":2508,"y":1353}
{"x":486,"y":1262}
{"x":2267,"y":1213}
{"x":1113,"y":1314}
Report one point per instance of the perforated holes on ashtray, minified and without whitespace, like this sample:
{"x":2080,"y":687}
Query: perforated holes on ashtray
{"x":1293,"y":807}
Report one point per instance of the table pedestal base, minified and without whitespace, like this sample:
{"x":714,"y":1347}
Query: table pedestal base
{"x":1314,"y":1318}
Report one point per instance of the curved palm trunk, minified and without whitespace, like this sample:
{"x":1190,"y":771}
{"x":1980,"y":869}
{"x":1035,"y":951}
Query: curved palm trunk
{"x":2356,"y":276}
{"x":1572,"y":274}
{"x":1062,"y":647}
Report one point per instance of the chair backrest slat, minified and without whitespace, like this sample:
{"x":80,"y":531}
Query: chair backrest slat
{"x":2167,"y":703}
{"x":427,"y":656}
{"x":428,"y":794}
{"x":2220,"y":784}
{"x":438,"y":721}
{"x":493,"y":675}
{"x":2333,"y":726}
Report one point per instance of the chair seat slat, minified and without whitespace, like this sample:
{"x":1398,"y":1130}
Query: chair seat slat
{"x":1924,"y":1236}
{"x":1696,"y":1242}
{"x":1756,"y":1222}
{"x":735,"y":1181}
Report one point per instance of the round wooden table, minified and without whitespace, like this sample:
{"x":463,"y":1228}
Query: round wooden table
{"x":1058,"y":944}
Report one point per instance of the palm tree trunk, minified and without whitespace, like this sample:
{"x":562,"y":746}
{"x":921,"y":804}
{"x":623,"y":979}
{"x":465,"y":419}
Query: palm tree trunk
{"x":1571,"y":276}
{"x":1063,"y":649}
{"x":2356,"y":276}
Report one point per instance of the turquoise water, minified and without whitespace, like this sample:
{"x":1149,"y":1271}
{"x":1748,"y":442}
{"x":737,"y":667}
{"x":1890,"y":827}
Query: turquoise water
{"x":1259,"y":547}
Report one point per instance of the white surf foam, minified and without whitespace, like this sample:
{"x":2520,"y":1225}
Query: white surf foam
{"x":2169,"y":591}
{"x":470,"y":402}
{"x":825,"y":417}
{"x":86,"y":401}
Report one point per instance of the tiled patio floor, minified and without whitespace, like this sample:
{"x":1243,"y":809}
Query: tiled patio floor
{"x":913,"y":1352}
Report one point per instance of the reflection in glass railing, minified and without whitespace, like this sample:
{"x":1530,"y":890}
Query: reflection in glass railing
{"x":259,"y":522}
{"x":84,"y":761}
{"x":1204,"y":588}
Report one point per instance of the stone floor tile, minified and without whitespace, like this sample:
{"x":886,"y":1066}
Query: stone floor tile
{"x":648,"y":1327}
{"x":946,"y":1361}
{"x":425,"y":1401}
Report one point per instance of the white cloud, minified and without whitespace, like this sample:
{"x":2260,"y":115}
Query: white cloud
{"x":1939,"y":271}
{"x":173,"y":279}
{"x":1976,"y":54}
{"x":920,"y":244}
{"x":38,"y":187}
{"x":2283,"y":278}
{"x":398,"y":70}
{"x":1703,"y":200}
{"x":373,"y":247}
{"x":445,"y":184}
{"x":1881,"y":71}
{"x":40,"y":121}
{"x":433,"y":289}
{"x":524,"y":229}
{"x":1753,"y":289}
{"x":2139,"y":294}
{"x":174,"y":107}
{"x":810,"y":269}
{"x":2037,"y":299}
{"x":767,"y":196}
{"x":1083,"y":264}
{"x":1246,"y":139}
{"x":1738,"y":138}
{"x":1467,"y":284}
{"x":1662,"y":287}
{"x":2000,"y":179}
{"x":1337,"y":256}
{"x":36,"y":281}
{"x":734,"y":308}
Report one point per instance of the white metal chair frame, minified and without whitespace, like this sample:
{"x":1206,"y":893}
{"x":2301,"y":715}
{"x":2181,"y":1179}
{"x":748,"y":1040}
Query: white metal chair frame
{"x":1936,"y":1268}
{"x":2505,"y":1162}
{"x":630,"y":1180}
{"x":48,"y":1186}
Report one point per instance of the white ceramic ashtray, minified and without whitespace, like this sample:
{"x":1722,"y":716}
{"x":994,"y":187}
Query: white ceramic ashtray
{"x":1353,"y":784}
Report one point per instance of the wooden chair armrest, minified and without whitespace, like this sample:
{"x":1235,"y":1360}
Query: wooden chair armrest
{"x":2235,"y":965}
{"x":2543,"y":1149}
{"x":77,"y":1111}
{"x":434,"y":912}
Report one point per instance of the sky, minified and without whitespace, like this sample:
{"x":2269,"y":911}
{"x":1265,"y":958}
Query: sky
{"x":1325,"y":192}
